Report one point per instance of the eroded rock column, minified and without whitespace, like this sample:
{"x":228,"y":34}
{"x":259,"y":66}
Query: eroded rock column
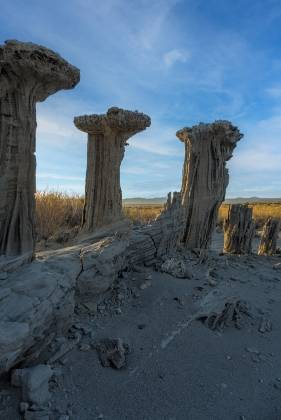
{"x":268,"y":242}
{"x":107,"y":137}
{"x":28,"y":73}
{"x":205,"y":177}
{"x":239,"y":230}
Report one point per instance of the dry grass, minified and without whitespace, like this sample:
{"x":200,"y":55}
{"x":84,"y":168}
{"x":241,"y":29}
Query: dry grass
{"x":261,"y":212}
{"x":142,"y":214}
{"x":56,"y":211}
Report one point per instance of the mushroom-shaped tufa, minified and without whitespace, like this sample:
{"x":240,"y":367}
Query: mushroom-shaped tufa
{"x":28,"y":73}
{"x":107,"y":136}
{"x":27,"y":63}
{"x":117,"y":119}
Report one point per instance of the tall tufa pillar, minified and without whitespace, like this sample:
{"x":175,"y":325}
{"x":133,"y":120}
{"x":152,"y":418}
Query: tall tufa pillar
{"x":239,"y":230}
{"x":107,"y":137}
{"x":268,"y":242}
{"x":28,"y":73}
{"x":205,"y":177}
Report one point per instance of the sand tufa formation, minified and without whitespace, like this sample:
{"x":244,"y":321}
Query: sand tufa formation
{"x":268,"y":242}
{"x":107,"y":137}
{"x":29,"y":73}
{"x":239,"y":230}
{"x":205,"y":177}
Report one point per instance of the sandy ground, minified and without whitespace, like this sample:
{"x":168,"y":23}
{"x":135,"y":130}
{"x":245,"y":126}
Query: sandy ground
{"x":176,"y":369}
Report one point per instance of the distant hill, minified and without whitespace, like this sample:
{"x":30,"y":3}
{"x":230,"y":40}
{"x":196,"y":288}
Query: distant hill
{"x":162,"y":200}
{"x":241,"y":200}
{"x":140,"y":200}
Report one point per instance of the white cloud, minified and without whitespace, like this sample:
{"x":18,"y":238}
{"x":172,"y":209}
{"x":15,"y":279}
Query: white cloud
{"x":274,"y":91}
{"x":173,"y":56}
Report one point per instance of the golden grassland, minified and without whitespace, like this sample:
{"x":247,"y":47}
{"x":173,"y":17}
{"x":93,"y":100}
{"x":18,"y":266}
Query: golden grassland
{"x":56,"y":211}
{"x":261,"y":211}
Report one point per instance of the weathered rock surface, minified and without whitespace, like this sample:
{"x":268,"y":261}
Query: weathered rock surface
{"x":205,"y":177}
{"x":101,"y":263}
{"x":28,"y":73}
{"x":36,"y":304}
{"x":107,"y":137}
{"x":268,"y":243}
{"x":239,"y":230}
{"x":34,"y":383}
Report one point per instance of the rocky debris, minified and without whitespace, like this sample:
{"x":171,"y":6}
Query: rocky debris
{"x":30,"y":73}
{"x":112,"y":353}
{"x":34,"y":384}
{"x":107,"y":136}
{"x":268,"y":242}
{"x":218,"y":310}
{"x":206,"y":146}
{"x":177,"y":267}
{"x":239,"y":229}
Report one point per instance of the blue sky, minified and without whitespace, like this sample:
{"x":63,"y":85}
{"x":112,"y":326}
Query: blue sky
{"x":179,"y":61}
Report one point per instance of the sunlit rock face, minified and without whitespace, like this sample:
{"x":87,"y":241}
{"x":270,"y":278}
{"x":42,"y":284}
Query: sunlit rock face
{"x":205,"y":177}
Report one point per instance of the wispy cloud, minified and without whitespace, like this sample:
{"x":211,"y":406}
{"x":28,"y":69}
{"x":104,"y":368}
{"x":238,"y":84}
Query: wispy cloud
{"x":274,"y":91}
{"x":173,"y":56}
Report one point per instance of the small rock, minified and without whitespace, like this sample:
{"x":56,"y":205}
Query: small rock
{"x":145,"y":285}
{"x":135,"y":292}
{"x":265,"y":326}
{"x":179,"y":300}
{"x":112,"y":352}
{"x":84,"y":347}
{"x":252,"y":350}
{"x":277,"y":385}
{"x":212,"y":282}
{"x":92,"y":307}
{"x":24,"y":406}
{"x":3,"y":275}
